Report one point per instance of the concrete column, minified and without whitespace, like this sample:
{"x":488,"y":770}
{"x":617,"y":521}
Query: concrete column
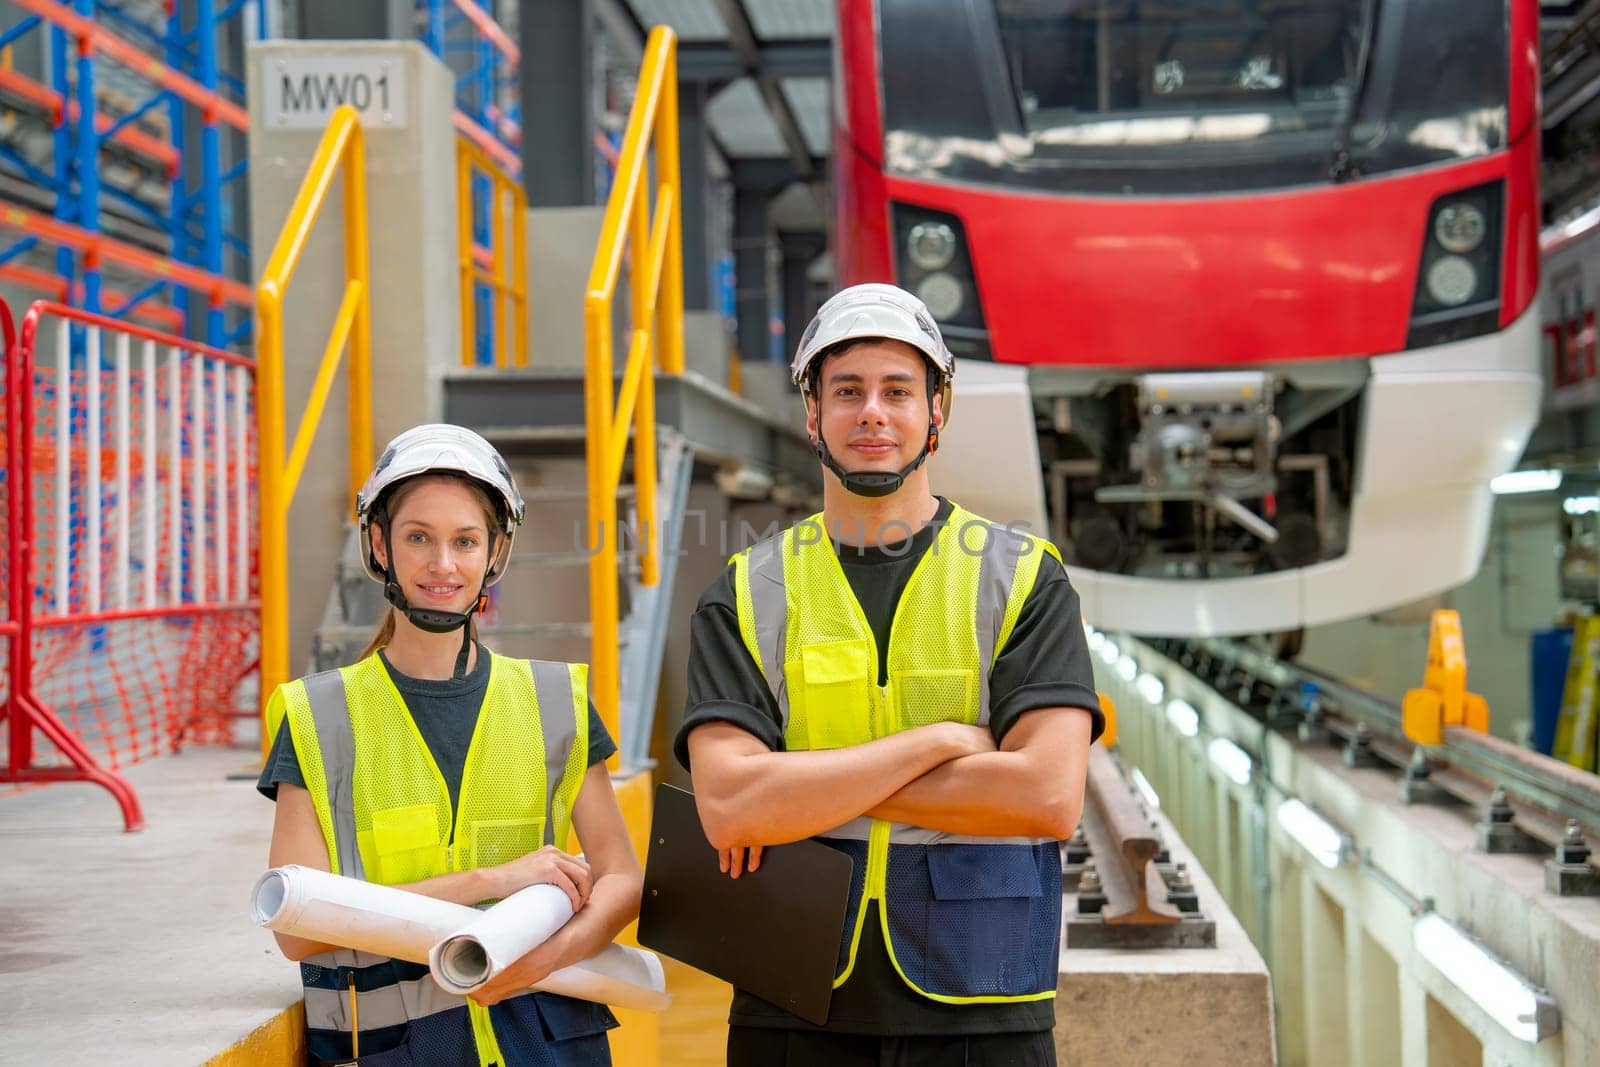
{"x":411,"y":236}
{"x":1222,"y":867}
{"x":1284,"y":955}
{"x":1240,"y":860}
{"x":1257,"y":875}
{"x":751,"y":247}
{"x":557,"y":87}
{"x":1323,"y":957}
{"x":694,"y":143}
{"x":798,"y":250}
{"x":1199,"y":802}
{"x":1413,"y":1018}
{"x":561,"y":247}
{"x":1372,"y":989}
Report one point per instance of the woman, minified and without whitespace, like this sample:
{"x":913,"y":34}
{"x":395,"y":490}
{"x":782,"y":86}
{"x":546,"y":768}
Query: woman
{"x":434,"y":765}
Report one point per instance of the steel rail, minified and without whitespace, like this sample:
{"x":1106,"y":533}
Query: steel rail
{"x":1123,"y":845}
{"x":1532,"y":777}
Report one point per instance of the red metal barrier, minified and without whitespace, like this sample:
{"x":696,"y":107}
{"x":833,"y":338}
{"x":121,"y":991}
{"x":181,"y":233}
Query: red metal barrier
{"x":123,"y":641}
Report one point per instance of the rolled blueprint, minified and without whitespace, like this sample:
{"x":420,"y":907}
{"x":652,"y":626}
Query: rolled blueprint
{"x":385,"y":921}
{"x":491,"y":940}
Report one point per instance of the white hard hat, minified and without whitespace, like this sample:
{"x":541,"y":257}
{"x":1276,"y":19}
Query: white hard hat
{"x":440,"y":448}
{"x":874,"y":310}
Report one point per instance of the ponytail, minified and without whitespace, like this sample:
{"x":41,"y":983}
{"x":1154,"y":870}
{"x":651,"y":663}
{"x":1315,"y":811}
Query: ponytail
{"x":384,"y":635}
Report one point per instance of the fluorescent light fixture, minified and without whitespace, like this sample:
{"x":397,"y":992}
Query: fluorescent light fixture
{"x":1146,"y":790}
{"x":1150,"y":688}
{"x":1127,"y":668}
{"x":1507,"y":997}
{"x":1525,"y":482}
{"x":1581,"y":505}
{"x":1233,"y":761}
{"x":1317,"y":835}
{"x":1096,"y":639}
{"x":1109,"y":652}
{"x":1183,"y":717}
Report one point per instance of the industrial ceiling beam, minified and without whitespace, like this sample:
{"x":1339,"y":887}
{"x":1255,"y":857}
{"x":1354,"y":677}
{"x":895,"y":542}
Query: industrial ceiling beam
{"x":622,"y":26}
{"x":771,"y":174}
{"x":742,"y":39}
{"x":716,"y":61}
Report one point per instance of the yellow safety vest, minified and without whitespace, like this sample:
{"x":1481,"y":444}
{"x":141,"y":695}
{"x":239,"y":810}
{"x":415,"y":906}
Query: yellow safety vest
{"x":967,"y":919}
{"x":393,"y":822}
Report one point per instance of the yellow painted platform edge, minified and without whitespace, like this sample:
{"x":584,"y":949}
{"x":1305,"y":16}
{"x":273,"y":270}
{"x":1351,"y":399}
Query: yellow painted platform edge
{"x":279,"y":1040}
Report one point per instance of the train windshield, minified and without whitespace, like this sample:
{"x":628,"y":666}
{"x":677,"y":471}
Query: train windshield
{"x":1091,"y":72}
{"x":1188,"y":96}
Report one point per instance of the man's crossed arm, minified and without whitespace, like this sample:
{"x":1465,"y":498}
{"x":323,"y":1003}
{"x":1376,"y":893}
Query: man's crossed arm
{"x":945,"y":776}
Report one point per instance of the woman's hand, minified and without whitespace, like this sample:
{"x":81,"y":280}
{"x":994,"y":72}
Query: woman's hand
{"x":518,"y":977}
{"x":733,"y":861}
{"x":546,"y":866}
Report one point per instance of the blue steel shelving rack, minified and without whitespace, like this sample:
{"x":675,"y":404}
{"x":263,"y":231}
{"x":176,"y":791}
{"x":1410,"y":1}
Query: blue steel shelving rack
{"x":488,"y":112}
{"x":181,"y":64}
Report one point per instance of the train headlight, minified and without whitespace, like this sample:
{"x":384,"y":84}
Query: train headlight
{"x":933,"y":260}
{"x":1458,"y":269}
{"x":931,"y":246}
{"x":1459,"y":228}
{"x":1452,"y":280}
{"x":943,"y":295}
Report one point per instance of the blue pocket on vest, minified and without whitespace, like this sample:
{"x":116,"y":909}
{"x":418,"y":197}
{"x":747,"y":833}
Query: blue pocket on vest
{"x":981,"y":872}
{"x":977,"y":923}
{"x":567,"y":1017}
{"x":541,"y":1028}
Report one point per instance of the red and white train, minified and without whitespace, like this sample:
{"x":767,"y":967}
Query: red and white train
{"x":1249,"y":284}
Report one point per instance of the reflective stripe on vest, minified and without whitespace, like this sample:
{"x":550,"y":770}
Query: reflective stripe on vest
{"x":394,"y":823}
{"x":966,"y":918}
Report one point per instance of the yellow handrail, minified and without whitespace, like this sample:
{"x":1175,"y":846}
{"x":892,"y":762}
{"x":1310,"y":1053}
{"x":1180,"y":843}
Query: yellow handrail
{"x":342,"y":150}
{"x":507,"y":271}
{"x":655,"y":284}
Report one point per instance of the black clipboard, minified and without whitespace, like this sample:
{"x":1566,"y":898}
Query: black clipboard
{"x":774,"y":933}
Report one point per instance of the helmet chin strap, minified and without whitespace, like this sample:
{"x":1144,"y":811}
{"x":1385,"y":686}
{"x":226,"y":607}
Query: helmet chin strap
{"x":435,"y":622}
{"x":876,"y":483}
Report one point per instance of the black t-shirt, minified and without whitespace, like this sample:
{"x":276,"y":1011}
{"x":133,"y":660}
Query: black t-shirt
{"x":1045,"y":664}
{"x":446,"y":714}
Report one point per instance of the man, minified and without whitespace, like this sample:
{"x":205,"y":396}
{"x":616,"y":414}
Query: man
{"x":909,"y":684}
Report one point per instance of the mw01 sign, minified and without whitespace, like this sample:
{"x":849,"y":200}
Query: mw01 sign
{"x":302,"y":91}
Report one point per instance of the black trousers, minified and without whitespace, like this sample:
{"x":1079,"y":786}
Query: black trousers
{"x":750,"y":1046}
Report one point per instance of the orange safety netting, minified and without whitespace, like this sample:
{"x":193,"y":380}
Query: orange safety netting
{"x":158,"y":649}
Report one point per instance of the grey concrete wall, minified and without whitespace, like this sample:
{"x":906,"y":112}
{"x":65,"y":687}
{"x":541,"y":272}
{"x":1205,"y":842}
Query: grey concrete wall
{"x":1513,"y":594}
{"x":416,"y":311}
{"x":705,"y":345}
{"x":561,"y":244}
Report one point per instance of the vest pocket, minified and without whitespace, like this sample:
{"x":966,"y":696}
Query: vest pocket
{"x":985,"y":928}
{"x":490,"y":842}
{"x":835,"y":703}
{"x":407,"y":843}
{"x":540,"y":1028}
{"x":923,"y":697}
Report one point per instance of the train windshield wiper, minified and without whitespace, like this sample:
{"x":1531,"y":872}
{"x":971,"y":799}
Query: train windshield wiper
{"x":1341,"y":167}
